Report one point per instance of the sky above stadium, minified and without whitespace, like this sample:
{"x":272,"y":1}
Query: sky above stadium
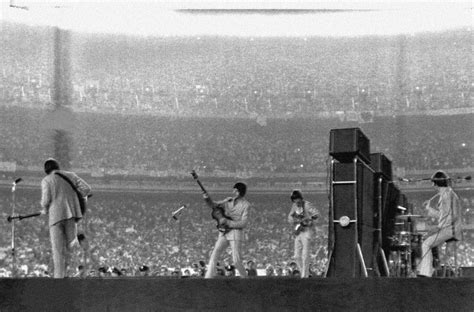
{"x":250,"y":19}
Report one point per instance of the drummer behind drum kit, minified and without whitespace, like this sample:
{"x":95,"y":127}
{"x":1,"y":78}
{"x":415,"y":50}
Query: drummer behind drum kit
{"x":405,"y":245}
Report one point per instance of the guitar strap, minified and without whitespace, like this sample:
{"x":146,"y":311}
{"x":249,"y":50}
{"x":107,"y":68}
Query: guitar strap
{"x":79,"y":195}
{"x":69,"y":182}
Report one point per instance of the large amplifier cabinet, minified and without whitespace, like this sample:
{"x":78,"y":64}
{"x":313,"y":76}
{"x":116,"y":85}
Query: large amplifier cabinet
{"x":352,"y":219}
{"x":346,"y":143}
{"x":381,"y":165}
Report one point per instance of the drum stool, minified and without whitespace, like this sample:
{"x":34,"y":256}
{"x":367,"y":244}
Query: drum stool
{"x":451,"y":266}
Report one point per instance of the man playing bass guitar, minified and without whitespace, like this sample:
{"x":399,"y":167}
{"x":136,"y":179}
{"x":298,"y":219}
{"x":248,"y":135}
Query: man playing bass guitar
{"x":301,"y":216}
{"x":235,"y":220}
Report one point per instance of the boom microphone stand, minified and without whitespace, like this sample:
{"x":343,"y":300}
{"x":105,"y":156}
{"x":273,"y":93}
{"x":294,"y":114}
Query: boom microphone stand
{"x":176,"y":216}
{"x":11,"y":218}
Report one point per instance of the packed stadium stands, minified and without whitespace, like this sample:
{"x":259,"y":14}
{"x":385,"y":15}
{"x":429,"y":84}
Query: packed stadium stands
{"x":160,"y":146}
{"x":270,"y":77}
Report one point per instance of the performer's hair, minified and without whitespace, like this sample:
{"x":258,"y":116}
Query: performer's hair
{"x":50,"y":165}
{"x":440,"y":178}
{"x":241,"y":187}
{"x":296,"y":194}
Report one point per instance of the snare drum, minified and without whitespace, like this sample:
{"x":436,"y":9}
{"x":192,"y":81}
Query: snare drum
{"x":403,"y":239}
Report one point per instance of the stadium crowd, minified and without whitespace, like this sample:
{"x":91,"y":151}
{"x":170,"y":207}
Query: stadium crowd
{"x":129,"y":231}
{"x":115,"y":144}
{"x":125,"y":88}
{"x":245,"y":77}
{"x":135,"y":234}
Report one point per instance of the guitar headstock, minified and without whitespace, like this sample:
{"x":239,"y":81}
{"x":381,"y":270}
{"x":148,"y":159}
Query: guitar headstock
{"x":194,"y":174}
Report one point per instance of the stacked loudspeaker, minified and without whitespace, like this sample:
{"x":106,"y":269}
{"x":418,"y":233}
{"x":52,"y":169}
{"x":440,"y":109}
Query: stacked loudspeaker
{"x":386,"y":198}
{"x":362,"y":206}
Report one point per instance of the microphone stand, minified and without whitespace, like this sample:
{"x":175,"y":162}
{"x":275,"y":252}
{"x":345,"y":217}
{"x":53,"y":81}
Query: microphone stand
{"x":13,"y":252}
{"x":457,"y":179}
{"x":177,"y":217}
{"x":180,"y":237}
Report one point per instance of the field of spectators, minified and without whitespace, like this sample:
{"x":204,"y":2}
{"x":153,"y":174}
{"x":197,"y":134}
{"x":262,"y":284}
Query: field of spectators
{"x":161,"y":146}
{"x":129,"y":230}
{"x":231,"y":76}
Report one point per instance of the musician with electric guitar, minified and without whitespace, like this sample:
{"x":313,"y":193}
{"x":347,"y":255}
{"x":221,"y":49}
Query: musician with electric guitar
{"x":231,"y":215}
{"x":61,"y":193}
{"x":301,"y":217}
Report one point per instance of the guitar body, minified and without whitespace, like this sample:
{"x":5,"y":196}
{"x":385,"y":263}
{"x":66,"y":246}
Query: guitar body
{"x":299,"y":228}
{"x":217,"y":212}
{"x":302,"y":224}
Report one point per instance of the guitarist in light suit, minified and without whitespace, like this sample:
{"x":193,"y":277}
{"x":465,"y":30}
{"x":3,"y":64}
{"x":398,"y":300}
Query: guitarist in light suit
{"x":301,"y":217}
{"x":236,"y":210}
{"x":60,"y":202}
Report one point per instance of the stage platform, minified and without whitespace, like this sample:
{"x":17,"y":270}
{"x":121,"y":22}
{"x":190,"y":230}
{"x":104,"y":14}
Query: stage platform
{"x":235,"y":294}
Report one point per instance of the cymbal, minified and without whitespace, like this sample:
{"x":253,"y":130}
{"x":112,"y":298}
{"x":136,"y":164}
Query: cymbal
{"x":407,"y":216}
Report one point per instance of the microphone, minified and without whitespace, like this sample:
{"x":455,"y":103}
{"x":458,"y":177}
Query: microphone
{"x":401,"y":208}
{"x":175,"y":214}
{"x":403,"y":179}
{"x":15,"y":183}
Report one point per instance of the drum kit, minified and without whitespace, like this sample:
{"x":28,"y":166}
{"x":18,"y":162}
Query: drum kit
{"x":405,"y":246}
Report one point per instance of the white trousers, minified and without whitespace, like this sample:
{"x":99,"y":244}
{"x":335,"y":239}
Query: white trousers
{"x":221,"y":244}
{"x":302,"y":254}
{"x":63,"y":235}
{"x":425,"y":266}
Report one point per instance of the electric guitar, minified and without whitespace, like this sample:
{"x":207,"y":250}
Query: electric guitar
{"x":303,"y":222}
{"x":218,"y":212}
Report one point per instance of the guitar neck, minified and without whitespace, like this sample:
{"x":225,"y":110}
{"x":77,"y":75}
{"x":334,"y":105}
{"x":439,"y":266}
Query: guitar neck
{"x":202,"y":186}
{"x":208,"y":200}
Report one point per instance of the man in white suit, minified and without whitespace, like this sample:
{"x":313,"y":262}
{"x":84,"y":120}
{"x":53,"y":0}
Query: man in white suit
{"x":236,"y":208}
{"x":60,"y":201}
{"x":445,"y":206}
{"x":301,"y":216}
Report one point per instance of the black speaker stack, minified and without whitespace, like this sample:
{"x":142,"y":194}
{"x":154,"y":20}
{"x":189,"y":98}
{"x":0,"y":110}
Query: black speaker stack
{"x":363,"y":204}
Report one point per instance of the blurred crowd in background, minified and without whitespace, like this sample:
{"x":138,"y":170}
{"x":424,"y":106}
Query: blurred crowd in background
{"x":116,"y":144}
{"x":136,"y":234}
{"x":241,"y":77}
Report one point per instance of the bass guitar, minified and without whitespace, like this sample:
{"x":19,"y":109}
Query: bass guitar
{"x":217,"y":213}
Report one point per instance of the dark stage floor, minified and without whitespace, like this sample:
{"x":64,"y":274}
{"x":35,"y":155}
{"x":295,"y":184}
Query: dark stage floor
{"x":235,"y":294}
